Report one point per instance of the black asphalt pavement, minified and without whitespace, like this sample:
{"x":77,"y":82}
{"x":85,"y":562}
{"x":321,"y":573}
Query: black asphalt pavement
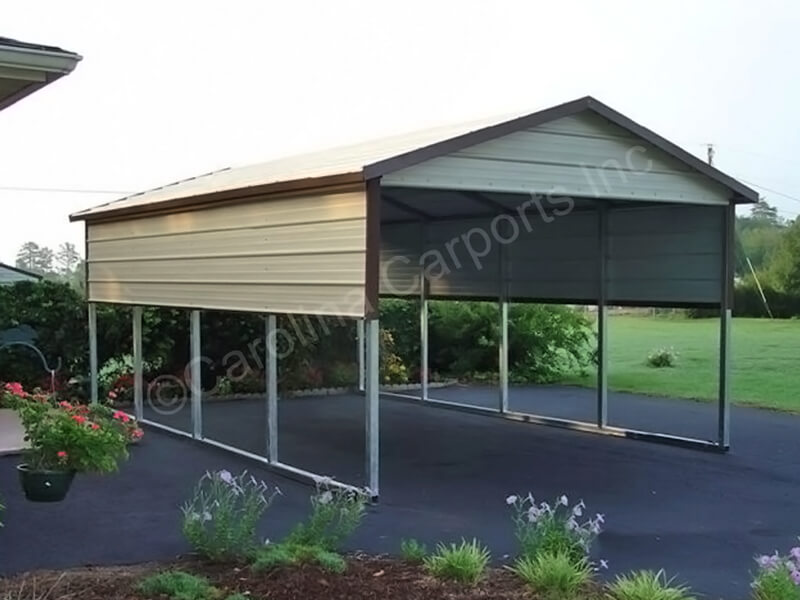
{"x":445,"y":474}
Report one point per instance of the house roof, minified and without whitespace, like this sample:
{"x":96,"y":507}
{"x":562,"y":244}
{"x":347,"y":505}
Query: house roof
{"x":26,"y":67}
{"x":20,"y":271}
{"x":375,"y":158}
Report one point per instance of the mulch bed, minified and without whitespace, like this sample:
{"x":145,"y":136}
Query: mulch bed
{"x":366,"y":578}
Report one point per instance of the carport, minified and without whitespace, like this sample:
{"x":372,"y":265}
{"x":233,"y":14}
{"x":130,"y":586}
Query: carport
{"x":574,"y":204}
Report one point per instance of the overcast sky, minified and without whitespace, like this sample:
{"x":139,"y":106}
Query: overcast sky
{"x":172,"y":89}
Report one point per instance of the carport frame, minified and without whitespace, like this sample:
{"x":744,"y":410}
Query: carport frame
{"x":600,"y":426}
{"x":364,"y":166}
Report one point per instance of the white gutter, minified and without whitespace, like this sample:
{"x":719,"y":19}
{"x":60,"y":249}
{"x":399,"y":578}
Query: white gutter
{"x":47,"y":61}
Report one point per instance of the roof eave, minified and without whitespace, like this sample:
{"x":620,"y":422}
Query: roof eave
{"x":242,"y":194}
{"x":46,"y":65}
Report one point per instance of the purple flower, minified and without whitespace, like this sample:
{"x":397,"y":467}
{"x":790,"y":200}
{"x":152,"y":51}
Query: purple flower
{"x":795,"y":553}
{"x":768,"y":562}
{"x":795,"y":575}
{"x":226,"y":477}
{"x":511,"y":500}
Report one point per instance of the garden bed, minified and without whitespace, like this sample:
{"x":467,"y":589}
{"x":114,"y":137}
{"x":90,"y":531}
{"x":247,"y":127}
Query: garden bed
{"x":366,"y":578}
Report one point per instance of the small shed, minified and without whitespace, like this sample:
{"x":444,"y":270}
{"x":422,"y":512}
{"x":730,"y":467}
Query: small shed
{"x":9,"y":275}
{"x":573,"y":204}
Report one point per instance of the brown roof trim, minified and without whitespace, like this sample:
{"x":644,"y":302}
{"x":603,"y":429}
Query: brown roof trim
{"x":742,"y":193}
{"x":238,"y":195}
{"x":21,"y":271}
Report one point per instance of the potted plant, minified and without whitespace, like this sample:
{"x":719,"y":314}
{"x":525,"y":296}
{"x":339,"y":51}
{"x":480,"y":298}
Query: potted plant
{"x":63,"y":442}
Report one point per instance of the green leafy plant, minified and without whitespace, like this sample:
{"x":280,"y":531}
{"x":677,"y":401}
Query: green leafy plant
{"x":465,"y":562}
{"x":647,"y":585}
{"x":220,"y":520}
{"x":413,"y":551}
{"x":126,"y":424}
{"x":553,"y":528}
{"x":335,"y":515}
{"x":555,"y":575}
{"x":178,"y":585}
{"x":272,"y":556}
{"x":63,"y":437}
{"x":778,"y":577}
{"x":662,"y":357}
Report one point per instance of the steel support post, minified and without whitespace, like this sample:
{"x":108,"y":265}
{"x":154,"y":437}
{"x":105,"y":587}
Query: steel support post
{"x":196,"y":383}
{"x":138,"y":380}
{"x":372,"y":406}
{"x":93,"y":393}
{"x":271,"y":364}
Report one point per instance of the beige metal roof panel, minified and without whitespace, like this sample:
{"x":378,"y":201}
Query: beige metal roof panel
{"x":378,"y":158}
{"x":338,"y":161}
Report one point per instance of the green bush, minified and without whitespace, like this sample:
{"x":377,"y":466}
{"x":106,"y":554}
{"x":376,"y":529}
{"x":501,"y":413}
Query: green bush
{"x":335,"y":514}
{"x":553,"y":528}
{"x":647,"y":585}
{"x":273,"y":556}
{"x":776,"y":584}
{"x":220,"y":520}
{"x":465,"y":562}
{"x":747,"y":301}
{"x":178,"y":585}
{"x":413,"y":551}
{"x":544,"y":341}
{"x":662,"y":357}
{"x":556,"y":576}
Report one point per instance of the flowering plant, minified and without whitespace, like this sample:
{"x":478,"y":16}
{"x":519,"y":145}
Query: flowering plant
{"x":778,"y":577}
{"x":542,"y":527}
{"x":63,"y":437}
{"x":221,"y":518}
{"x":126,"y":424}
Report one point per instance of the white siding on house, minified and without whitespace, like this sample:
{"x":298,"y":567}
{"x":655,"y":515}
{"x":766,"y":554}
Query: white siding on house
{"x":300,"y":254}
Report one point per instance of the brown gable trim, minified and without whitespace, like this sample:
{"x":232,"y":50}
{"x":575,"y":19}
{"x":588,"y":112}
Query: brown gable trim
{"x":742,"y":193}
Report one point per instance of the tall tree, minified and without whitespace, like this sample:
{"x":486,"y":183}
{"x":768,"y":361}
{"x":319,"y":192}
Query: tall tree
{"x":67,"y":258}
{"x":786,"y":265}
{"x":44,"y":261}
{"x":28,"y":255}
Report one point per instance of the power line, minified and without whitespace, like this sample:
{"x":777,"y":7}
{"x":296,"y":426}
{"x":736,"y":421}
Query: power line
{"x":60,"y":190}
{"x":766,"y":189}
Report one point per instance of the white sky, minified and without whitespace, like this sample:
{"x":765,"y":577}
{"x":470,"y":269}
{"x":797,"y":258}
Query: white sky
{"x":172,"y":89}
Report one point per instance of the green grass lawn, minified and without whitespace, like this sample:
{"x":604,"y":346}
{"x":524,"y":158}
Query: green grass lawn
{"x":765,"y":366}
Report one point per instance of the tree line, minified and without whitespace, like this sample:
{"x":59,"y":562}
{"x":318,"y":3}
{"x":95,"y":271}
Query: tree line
{"x":65,"y":263}
{"x":768,"y":253}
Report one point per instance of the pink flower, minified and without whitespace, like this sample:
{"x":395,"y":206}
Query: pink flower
{"x":112,"y":394}
{"x":95,"y":426}
{"x":62,"y":455}
{"x":79,"y":419}
{"x":16,"y":388}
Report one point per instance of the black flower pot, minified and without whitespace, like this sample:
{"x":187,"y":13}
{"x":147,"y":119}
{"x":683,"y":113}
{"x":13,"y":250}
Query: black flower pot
{"x":44,"y":486}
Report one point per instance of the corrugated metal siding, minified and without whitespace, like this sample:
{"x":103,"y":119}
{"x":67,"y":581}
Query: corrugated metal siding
{"x":669,"y":254}
{"x":303,"y":255}
{"x":581,"y":155}
{"x":655,"y":255}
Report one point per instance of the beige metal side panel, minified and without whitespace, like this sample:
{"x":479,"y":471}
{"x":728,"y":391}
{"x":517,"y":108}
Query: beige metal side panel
{"x":302,"y":254}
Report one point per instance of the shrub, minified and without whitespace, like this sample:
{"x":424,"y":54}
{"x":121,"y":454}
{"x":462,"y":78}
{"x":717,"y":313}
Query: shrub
{"x":126,"y":425}
{"x":556,"y":575}
{"x":63,"y":437}
{"x":464,"y":562}
{"x":778,"y":577}
{"x":545,"y":528}
{"x":545,"y":341}
{"x":178,"y":585}
{"x":647,"y":585}
{"x":335,"y":514}
{"x":286,"y":554}
{"x":413,"y":552}
{"x":220,"y":520}
{"x":662,"y":357}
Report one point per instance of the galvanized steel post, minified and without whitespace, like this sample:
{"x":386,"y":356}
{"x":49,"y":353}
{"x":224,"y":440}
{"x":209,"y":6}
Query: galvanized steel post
{"x":423,"y":335}
{"x":271,"y":363}
{"x":360,"y":351}
{"x":602,"y":318}
{"x":372,"y":406}
{"x":196,"y":383}
{"x":726,"y":313}
{"x":93,"y":394}
{"x":138,"y":381}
